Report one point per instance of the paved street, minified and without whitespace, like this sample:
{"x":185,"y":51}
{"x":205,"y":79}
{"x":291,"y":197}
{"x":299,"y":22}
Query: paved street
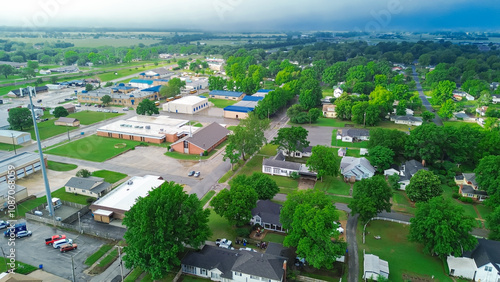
{"x":425,"y":102}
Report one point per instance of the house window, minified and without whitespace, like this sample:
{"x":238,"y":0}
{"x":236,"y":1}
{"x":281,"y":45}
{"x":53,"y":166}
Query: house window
{"x":189,"y":269}
{"x":276,"y":170}
{"x":203,"y":271}
{"x":237,"y":273}
{"x":254,"y":277}
{"x":267,"y":169}
{"x":214,"y":275}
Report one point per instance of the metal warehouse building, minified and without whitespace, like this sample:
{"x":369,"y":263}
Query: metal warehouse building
{"x":16,"y":137}
{"x":187,"y":105}
{"x":241,"y":109}
{"x":25,"y":164}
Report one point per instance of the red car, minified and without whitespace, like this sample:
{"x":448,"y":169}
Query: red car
{"x":68,"y":247}
{"x":51,"y":240}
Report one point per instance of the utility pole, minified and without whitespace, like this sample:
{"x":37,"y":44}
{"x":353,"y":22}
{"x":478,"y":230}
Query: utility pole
{"x":13,"y":144}
{"x":73,"y":269}
{"x":120,"y":258}
{"x":32,"y":93}
{"x":68,"y":134}
{"x":364,"y":119}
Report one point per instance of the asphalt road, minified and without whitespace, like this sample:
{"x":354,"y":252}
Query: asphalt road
{"x":425,"y":102}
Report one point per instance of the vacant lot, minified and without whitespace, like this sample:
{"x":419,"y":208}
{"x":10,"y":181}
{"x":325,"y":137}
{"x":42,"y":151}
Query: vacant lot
{"x":94,"y":148}
{"x":48,"y":129}
{"x":90,"y":117}
{"x":404,"y":257}
{"x":109,"y":176}
{"x":221,"y":103}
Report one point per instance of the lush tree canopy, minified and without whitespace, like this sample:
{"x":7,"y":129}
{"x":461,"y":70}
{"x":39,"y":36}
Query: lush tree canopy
{"x":291,"y":139}
{"x":423,"y":186}
{"x":381,"y":157}
{"x":147,"y":107}
{"x":236,"y":204}
{"x":324,"y":161}
{"x":20,"y":118}
{"x":248,"y":136}
{"x":370,"y":197}
{"x":60,"y":112}
{"x":488,"y":178}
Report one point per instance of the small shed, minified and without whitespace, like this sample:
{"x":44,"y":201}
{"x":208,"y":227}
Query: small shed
{"x":103,"y":216}
{"x":71,"y":108}
{"x":375,"y":267}
{"x":64,"y":121}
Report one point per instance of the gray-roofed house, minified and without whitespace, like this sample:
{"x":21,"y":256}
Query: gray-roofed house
{"x":219,"y":264}
{"x":408,"y":169}
{"x":90,"y":186}
{"x":469,"y":188}
{"x":355,"y":169}
{"x":353,"y":135}
{"x":486,"y":259}
{"x":463,"y":116}
{"x":304,"y":152}
{"x":495,"y":99}
{"x":277,"y":165}
{"x":267,"y":215}
{"x":408,"y":120}
{"x":205,"y":139}
{"x":374,"y":267}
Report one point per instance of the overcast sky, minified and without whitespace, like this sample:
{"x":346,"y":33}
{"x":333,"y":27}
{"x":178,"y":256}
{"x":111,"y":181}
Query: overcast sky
{"x":234,"y":15}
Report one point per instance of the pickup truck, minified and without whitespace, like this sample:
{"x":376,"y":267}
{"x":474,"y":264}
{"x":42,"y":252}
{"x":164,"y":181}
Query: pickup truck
{"x":51,"y":240}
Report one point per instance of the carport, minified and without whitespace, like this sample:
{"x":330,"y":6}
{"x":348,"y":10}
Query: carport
{"x":103,"y":215}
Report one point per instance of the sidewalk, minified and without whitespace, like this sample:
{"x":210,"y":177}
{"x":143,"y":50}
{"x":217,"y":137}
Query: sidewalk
{"x":112,"y":272}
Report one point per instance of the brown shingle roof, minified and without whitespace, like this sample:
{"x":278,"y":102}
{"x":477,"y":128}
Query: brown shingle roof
{"x":67,"y":120}
{"x":208,"y":136}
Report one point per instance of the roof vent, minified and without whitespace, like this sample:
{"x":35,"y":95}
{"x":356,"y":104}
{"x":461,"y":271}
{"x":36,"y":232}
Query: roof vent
{"x":130,"y":182}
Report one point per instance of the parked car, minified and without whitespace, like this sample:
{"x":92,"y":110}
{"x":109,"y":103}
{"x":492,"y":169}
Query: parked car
{"x":248,"y":249}
{"x":114,"y":111}
{"x":59,"y":243}
{"x":125,"y":109}
{"x":4,"y":224}
{"x":24,"y":233}
{"x":39,"y":101}
{"x":51,"y":240}
{"x":224,"y":243}
{"x":197,"y":174}
{"x":68,"y":247}
{"x":191,"y":173}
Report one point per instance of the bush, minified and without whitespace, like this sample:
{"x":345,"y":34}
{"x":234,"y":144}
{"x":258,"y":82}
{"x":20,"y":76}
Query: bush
{"x":256,"y":226}
{"x":452,"y":184}
{"x":108,"y":84}
{"x":243,"y":232}
{"x":83,"y":173}
{"x":466,"y":200}
{"x":294,"y":175}
{"x":455,"y":195}
{"x":442,"y":178}
{"x":205,"y":153}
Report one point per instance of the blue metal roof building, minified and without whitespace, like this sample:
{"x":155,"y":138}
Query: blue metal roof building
{"x":153,"y":89}
{"x":239,"y":109}
{"x":251,"y":98}
{"x":143,"y":81}
{"x":223,"y":93}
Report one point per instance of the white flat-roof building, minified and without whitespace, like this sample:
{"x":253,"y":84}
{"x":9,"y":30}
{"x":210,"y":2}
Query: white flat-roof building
{"x":187,"y":105}
{"x":122,"y":198}
{"x":16,"y":137}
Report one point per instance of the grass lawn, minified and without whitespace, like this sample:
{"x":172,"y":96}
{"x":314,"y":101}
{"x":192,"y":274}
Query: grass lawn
{"x":94,"y":148}
{"x":90,"y":117}
{"x":21,"y":267}
{"x":48,"y":129}
{"x":268,"y":150}
{"x":469,"y":209}
{"x":134,"y":275}
{"x":401,"y":203}
{"x":333,"y":122}
{"x":333,"y":185}
{"x":26,"y":206}
{"x":403,"y":257}
{"x":230,"y":173}
{"x":8,"y":147}
{"x":353,"y":153}
{"x":255,"y":165}
{"x":274,"y":237}
{"x":98,"y":254}
{"x":109,"y":176}
{"x":222,"y":103}
{"x":70,"y":197}
{"x":220,"y":227}
{"x":483,"y":210}
{"x":339,"y":199}
{"x":57,"y":166}
{"x":109,"y":258}
{"x":207,"y":197}
{"x":328,"y":91}
{"x":339,"y":143}
{"x":391,"y":125}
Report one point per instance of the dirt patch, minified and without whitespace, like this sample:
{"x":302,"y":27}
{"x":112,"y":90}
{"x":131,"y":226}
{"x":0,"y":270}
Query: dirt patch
{"x":305,"y":184}
{"x":120,"y":145}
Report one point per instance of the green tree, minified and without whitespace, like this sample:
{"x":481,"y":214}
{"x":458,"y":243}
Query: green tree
{"x":147,"y":107}
{"x":20,"y":118}
{"x":442,"y":227}
{"x":484,"y":99}
{"x":216,"y":83}
{"x":106,"y":99}
{"x":488,"y":178}
{"x":60,"y":112}
{"x":443,"y":91}
{"x":7,"y":70}
{"x":383,"y":98}
{"x":84,"y":173}
{"x":390,"y":138}
{"x":236,"y":204}
{"x":394,"y":181}
{"x":33,"y":65}
{"x":324,"y":161}
{"x":297,"y":114}
{"x":265,"y":187}
{"x":425,"y":143}
{"x":381,"y":157}
{"x":248,"y":137}
{"x":28,"y":73}
{"x":38,"y":81}
{"x":314,"y":114}
{"x":310,"y":220}
{"x":89,"y":87}
{"x":232,"y":154}
{"x":424,"y":185}
{"x":173,"y":88}
{"x":310,"y":94}
{"x":291,"y":139}
{"x":494,"y":224}
{"x":70,"y":57}
{"x":447,"y":109}
{"x":427,"y":116}
{"x":181,"y":221}
{"x":371,"y":196}
{"x":182,"y":63}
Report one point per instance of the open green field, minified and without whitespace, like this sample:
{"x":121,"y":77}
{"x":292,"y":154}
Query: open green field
{"x":404,"y":258}
{"x":109,"y":176}
{"x":221,"y":103}
{"x":220,"y":227}
{"x":333,"y":185}
{"x":90,"y":117}
{"x":8,"y":147}
{"x":48,"y":129}
{"x":57,"y":166}
{"x":88,"y":42}
{"x":94,"y":148}
{"x":333,"y":122}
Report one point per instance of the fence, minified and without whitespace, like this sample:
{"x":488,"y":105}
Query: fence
{"x":382,"y":218}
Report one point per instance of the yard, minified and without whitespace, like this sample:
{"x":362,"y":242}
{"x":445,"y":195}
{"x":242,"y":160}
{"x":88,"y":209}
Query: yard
{"x":94,"y":148}
{"x":333,"y":185}
{"x":401,"y":203}
{"x":109,"y":176}
{"x":90,"y":117}
{"x":404,"y":258}
{"x":8,"y":147}
{"x":460,"y":123}
{"x":48,"y":129}
{"x":220,"y":227}
{"x":57,"y":166}
{"x":208,"y":196}
{"x":333,"y":122}
{"x":222,"y":103}
{"x":70,"y":197}
{"x":255,"y":165}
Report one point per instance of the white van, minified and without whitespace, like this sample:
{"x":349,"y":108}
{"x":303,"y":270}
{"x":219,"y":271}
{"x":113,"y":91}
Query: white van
{"x":57,"y":244}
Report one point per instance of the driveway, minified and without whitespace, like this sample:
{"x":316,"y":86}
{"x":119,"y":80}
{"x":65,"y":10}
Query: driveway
{"x":32,"y":250}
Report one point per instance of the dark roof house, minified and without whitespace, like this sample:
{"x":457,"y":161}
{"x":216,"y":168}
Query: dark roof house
{"x":268,"y":211}
{"x":409,"y":168}
{"x":486,"y":251}
{"x":205,"y":139}
{"x":88,"y":186}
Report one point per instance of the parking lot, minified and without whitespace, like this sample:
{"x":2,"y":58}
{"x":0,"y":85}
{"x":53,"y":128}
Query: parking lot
{"x":32,"y":250}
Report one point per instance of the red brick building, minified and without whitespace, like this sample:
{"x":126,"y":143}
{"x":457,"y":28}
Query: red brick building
{"x":205,"y":139}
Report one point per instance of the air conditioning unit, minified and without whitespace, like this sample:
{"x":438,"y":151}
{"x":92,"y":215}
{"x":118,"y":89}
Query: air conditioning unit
{"x":130,"y":182}
{"x":148,"y":127}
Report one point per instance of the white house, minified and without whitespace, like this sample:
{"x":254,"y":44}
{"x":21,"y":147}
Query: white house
{"x":469,"y":97}
{"x":408,"y":120}
{"x":277,"y":165}
{"x":356,"y":168}
{"x":337,"y":92}
{"x":373,"y":267}
{"x":305,"y":152}
{"x":483,"y":262}
{"x":353,"y":135}
{"x":495,"y":99}
{"x":219,"y":264}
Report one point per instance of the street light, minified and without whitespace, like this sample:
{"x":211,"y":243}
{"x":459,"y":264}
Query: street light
{"x":121,"y":262}
{"x":79,"y":223}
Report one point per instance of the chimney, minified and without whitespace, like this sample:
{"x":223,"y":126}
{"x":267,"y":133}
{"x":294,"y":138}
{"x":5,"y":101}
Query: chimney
{"x":423,"y":162}
{"x":284,"y":269}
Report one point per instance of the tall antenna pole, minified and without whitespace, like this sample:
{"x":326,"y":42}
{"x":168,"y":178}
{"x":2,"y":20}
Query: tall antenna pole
{"x":42,"y":161}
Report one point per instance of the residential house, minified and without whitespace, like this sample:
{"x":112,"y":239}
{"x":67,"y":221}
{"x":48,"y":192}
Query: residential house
{"x":495,"y":99}
{"x":469,"y":97}
{"x":481,"y":264}
{"x":89,"y":186}
{"x":353,"y":135}
{"x":342,"y":152}
{"x":329,"y":111}
{"x":408,"y":170}
{"x":469,"y":188}
{"x":65,"y":121}
{"x":408,"y":120}
{"x":337,"y":92}
{"x":465,"y":117}
{"x":219,"y":264}
{"x":277,"y":165}
{"x":304,"y":152}
{"x":71,"y":108}
{"x":409,"y":112}
{"x":267,"y":215}
{"x":355,"y":169}
{"x":482,"y":110}
{"x":494,"y":85}
{"x":373,"y":267}
{"x":204,"y":140}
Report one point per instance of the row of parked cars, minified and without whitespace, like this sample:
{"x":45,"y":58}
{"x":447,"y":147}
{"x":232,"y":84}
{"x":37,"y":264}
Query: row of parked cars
{"x":194,"y":173}
{"x":61,"y":242}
